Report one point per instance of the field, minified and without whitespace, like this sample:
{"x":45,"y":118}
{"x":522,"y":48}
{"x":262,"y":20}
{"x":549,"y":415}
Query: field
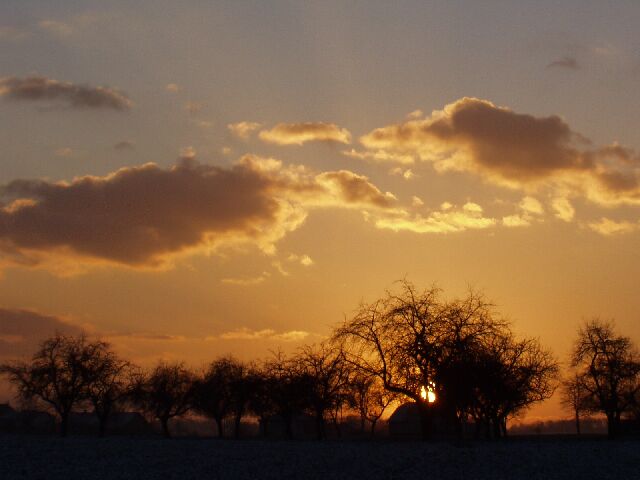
{"x":42,"y":457}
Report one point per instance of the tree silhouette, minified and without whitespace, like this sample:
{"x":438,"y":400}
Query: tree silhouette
{"x":369,"y":398}
{"x":57,"y":374}
{"x":214,"y":391}
{"x":460,"y":348}
{"x":328,"y":373}
{"x":575,"y":397}
{"x":165,"y":392}
{"x":108,"y":383}
{"x":609,"y":370}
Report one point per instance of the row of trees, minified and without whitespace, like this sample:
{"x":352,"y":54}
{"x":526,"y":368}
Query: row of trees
{"x":71,"y":373}
{"x":396,"y":349}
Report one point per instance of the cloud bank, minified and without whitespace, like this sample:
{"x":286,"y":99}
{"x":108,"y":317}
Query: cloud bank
{"x":299,"y":133}
{"x":515,"y":150}
{"x":66,"y":94}
{"x":143,"y":216}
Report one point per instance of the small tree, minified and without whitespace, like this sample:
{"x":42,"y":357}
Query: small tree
{"x":609,"y":370}
{"x":214,"y":390}
{"x":57,"y":374}
{"x":574,"y":397}
{"x":328,"y":373}
{"x":370,"y":399}
{"x":165,"y":392}
{"x":108,"y":383}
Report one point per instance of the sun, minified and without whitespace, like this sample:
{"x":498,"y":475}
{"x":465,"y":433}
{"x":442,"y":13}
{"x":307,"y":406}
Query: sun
{"x":428,"y":393}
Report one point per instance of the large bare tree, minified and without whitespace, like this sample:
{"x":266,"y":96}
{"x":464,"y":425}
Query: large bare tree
{"x":57,"y":374}
{"x":609,"y":368}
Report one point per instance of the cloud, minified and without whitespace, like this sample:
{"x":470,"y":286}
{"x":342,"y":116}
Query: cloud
{"x":304,"y":260}
{"x":265,"y":334}
{"x":243,"y":129}
{"x":566,"y":62}
{"x":448,"y":219}
{"x":563,"y":209}
{"x":193,"y":107}
{"x":608,"y":227}
{"x":406,"y":174}
{"x":145,"y":216}
{"x":13,"y":34}
{"x":124,"y":146}
{"x":68,"y":27}
{"x":530,"y":210}
{"x":172,"y":87}
{"x":42,"y":89}
{"x":299,"y":133}
{"x":64,"y":152}
{"x":247,"y":281}
{"x":514,"y":150}
{"x":380,"y":156}
{"x":21,"y":331}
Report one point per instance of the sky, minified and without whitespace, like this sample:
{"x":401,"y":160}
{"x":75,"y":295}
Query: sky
{"x":191,"y":179}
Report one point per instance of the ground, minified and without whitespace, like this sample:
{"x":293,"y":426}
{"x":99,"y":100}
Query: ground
{"x":40,"y":457}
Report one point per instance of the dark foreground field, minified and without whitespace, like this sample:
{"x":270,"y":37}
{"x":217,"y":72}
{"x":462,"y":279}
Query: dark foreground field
{"x":124,"y":458}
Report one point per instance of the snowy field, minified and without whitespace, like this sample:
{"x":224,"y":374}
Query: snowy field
{"x":147,"y":458}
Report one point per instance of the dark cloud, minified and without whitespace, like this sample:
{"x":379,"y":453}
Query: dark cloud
{"x":42,"y":89}
{"x":139,"y":216}
{"x":124,"y":145}
{"x":21,"y":331}
{"x":566,"y":62}
{"x":515,"y":149}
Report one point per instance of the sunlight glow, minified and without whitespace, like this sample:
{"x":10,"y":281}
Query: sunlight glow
{"x":428,"y":393}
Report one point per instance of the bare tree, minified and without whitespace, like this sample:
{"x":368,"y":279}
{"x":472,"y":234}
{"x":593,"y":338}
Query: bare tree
{"x":165,"y":392}
{"x":328,"y":372}
{"x":56,"y":374}
{"x":575,"y":397}
{"x":290,"y":387}
{"x":214,"y":390}
{"x":609,"y":369}
{"x":108,"y":383}
{"x":414,"y":340}
{"x":370,"y":399}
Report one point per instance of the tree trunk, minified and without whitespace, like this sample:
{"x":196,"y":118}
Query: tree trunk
{"x":64,"y":424}
{"x":577,"y":422}
{"x":373,"y":427}
{"x":220,"y":426}
{"x":425,"y":421}
{"x":288,"y":426}
{"x":237,"y":420}
{"x":611,"y":425}
{"x":165,"y":427}
{"x":102,"y":427}
{"x":320,"y":431}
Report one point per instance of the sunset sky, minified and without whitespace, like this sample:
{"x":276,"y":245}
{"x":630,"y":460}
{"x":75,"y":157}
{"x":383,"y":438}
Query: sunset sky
{"x":189,"y":179}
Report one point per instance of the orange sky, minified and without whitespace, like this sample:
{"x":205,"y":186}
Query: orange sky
{"x":190,"y":181}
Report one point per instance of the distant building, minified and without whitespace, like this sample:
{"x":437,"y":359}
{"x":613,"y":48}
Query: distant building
{"x":118,"y":423}
{"x":25,"y":421}
{"x":405,"y":423}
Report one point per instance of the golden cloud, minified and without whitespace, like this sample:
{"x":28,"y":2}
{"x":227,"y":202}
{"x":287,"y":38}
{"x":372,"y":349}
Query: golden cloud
{"x":243,"y":129}
{"x":514,"y":150}
{"x":448,"y":219}
{"x":145,"y":216}
{"x":299,"y":133}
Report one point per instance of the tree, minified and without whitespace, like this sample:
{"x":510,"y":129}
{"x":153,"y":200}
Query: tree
{"x":57,"y":374}
{"x":609,"y":370}
{"x":290,"y":387}
{"x":108,"y":382}
{"x":214,"y":391}
{"x":415,"y":340}
{"x":370,"y":399}
{"x":165,"y":392}
{"x":328,"y":373}
{"x":575,"y":397}
{"x":261,"y":402}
